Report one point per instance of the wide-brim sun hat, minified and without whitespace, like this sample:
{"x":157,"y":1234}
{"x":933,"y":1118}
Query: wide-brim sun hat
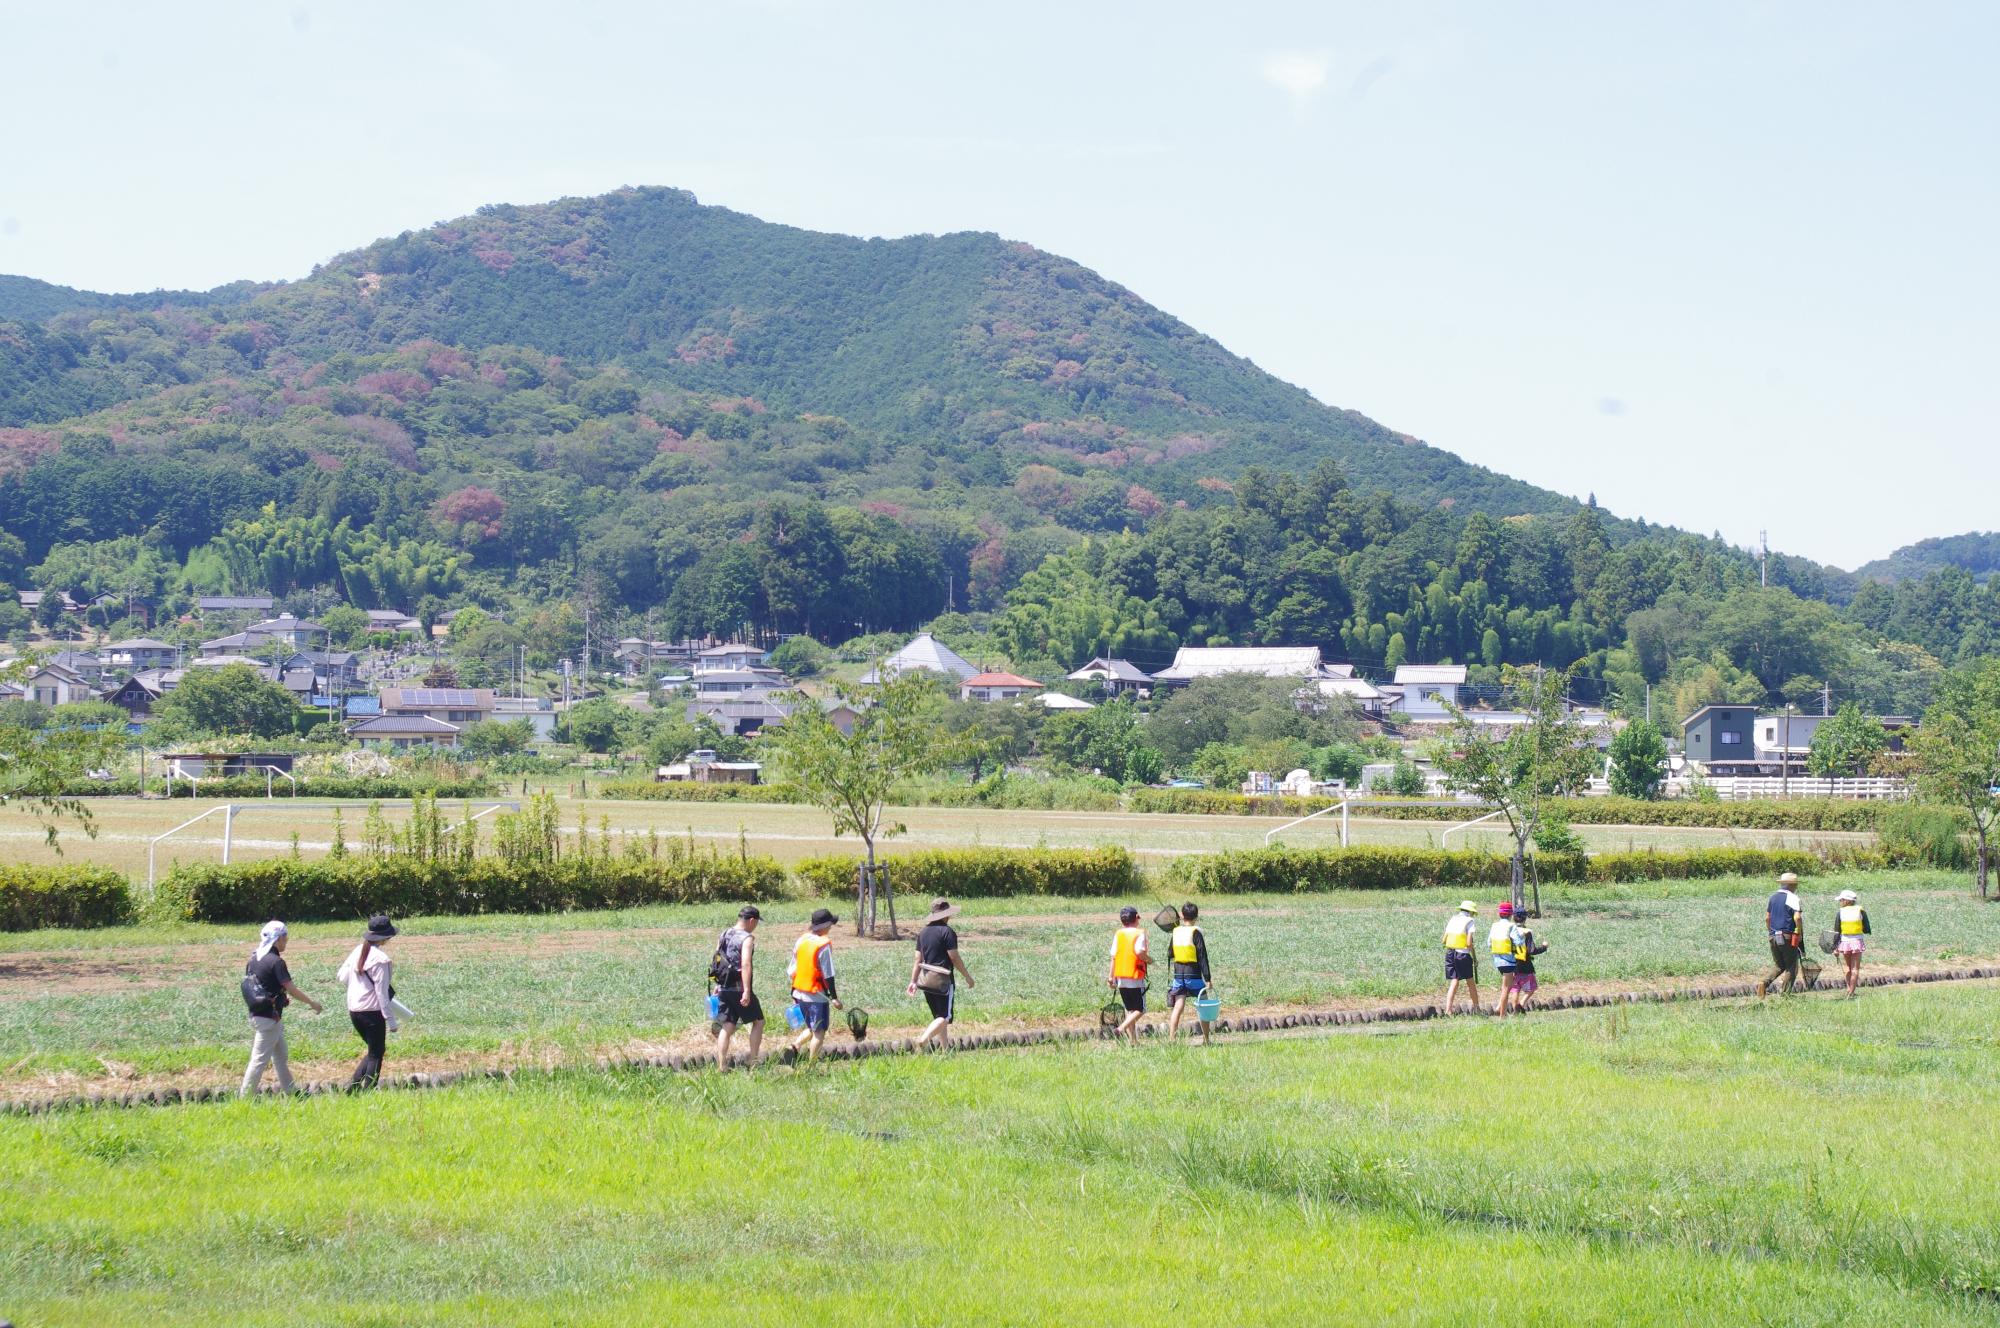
{"x":1849,"y":896}
{"x":379,"y":928}
{"x":941,"y":909}
{"x":823,"y":917}
{"x":1467,"y":906}
{"x":1788,"y":878}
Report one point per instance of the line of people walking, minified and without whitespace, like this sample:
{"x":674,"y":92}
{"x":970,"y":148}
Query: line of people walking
{"x":937,"y":967}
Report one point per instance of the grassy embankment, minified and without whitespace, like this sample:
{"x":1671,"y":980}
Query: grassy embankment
{"x":1790,"y":1163}
{"x":162,"y":999}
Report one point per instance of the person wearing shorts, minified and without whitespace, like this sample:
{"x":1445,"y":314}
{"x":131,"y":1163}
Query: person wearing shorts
{"x":1189,"y":952}
{"x":935,"y":972}
{"x":1854,"y":927}
{"x":813,"y":989}
{"x":735,"y":991}
{"x":1500,"y":940}
{"x":1128,"y":971}
{"x":1459,"y":964}
{"x":1526,"y":947}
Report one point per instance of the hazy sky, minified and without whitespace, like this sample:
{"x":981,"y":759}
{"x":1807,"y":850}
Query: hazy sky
{"x":1729,"y":266}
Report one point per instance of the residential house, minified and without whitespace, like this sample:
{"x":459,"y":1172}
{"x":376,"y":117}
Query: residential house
{"x":140,"y":652}
{"x":927,"y":653}
{"x":1426,"y":689}
{"x":135,"y":697}
{"x":1782,"y":741}
{"x":1339,"y":680}
{"x":741,"y":716}
{"x":401,"y":731}
{"x":234,"y":604}
{"x":997,"y":687}
{"x":539,"y":711}
{"x":703,"y":767}
{"x":54,"y":685}
{"x":1116,"y":676}
{"x":1722,"y":739}
{"x":393,"y":620}
{"x":455,"y":706}
{"x":82,"y":663}
{"x":298,"y":633}
{"x":1063,"y":701}
{"x":728,"y":658}
{"x":1191,"y":662}
{"x":717,"y":684}
{"x":237,"y":645}
{"x":331,"y":669}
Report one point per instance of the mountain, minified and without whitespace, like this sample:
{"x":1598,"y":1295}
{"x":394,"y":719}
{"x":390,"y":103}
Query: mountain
{"x":951,"y":341}
{"x":1976,"y":552}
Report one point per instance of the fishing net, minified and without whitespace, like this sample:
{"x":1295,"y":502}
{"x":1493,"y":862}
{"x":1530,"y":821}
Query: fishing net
{"x":1808,"y":974}
{"x":1167,"y":918}
{"x":1111,"y":1015}
{"x":1829,"y":940}
{"x":857,"y":1023}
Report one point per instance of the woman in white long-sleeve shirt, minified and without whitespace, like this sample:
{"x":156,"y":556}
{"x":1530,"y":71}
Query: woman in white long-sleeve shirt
{"x":370,"y":998}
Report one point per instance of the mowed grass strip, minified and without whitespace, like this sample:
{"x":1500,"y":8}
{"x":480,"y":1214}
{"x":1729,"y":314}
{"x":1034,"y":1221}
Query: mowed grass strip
{"x":164,"y":999}
{"x":1739,"y":1164}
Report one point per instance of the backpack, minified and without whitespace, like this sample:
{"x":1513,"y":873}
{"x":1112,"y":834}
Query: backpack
{"x":256,"y":998}
{"x":724,"y":969}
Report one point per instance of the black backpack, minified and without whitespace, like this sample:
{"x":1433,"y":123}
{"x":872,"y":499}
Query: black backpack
{"x":725,"y":970}
{"x":260,"y":1001}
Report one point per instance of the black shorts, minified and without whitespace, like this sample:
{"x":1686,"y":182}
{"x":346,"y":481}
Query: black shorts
{"x":1459,"y":964}
{"x":1134,"y":998}
{"x":736,"y":1010}
{"x":944,"y":1004}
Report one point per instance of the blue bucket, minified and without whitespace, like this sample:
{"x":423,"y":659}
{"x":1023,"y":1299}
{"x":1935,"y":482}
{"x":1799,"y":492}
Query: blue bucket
{"x":795,"y":1016}
{"x":714,"y":1006}
{"x":1208,"y":1009}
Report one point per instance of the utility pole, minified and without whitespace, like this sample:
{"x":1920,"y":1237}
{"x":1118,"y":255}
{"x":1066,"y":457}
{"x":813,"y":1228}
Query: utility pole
{"x":1785,"y":755}
{"x":1825,"y":698}
{"x":1763,"y":558}
{"x":1649,"y":703}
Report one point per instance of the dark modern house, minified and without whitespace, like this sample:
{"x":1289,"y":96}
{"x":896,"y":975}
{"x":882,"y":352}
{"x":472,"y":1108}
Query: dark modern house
{"x":1723,"y":739}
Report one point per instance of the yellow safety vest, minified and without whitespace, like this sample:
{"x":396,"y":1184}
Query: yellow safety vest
{"x":1127,"y":961}
{"x":1458,"y":932}
{"x":1183,"y":947}
{"x":1523,"y":948}
{"x":1850,"y":920}
{"x":1498,"y":939}
{"x":806,"y":976}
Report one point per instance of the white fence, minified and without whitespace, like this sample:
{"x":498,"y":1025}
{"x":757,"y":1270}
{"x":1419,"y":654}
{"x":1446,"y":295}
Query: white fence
{"x":1742,"y":788}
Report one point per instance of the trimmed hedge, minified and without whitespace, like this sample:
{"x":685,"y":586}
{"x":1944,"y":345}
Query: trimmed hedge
{"x":1310,"y":870}
{"x":1767,"y":814}
{"x":986,"y":873}
{"x":646,"y":790}
{"x":314,"y":786}
{"x":34,"y":897}
{"x":354,"y":887}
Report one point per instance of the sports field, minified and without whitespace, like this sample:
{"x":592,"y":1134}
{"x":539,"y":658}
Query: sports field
{"x":788,"y":833}
{"x":153,"y":1005}
{"x":1807,"y":1161}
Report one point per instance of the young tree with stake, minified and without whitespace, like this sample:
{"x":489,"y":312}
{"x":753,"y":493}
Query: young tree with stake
{"x":1957,"y":751}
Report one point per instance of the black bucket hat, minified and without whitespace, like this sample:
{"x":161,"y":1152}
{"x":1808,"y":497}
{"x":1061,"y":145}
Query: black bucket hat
{"x":823,"y":917}
{"x":380,"y":928}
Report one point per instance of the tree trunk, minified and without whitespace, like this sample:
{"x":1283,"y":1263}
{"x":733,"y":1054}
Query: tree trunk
{"x":1519,"y":895}
{"x":1980,"y":826}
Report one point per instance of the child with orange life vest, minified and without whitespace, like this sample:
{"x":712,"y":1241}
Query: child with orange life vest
{"x":1128,"y":970}
{"x":813,"y":990}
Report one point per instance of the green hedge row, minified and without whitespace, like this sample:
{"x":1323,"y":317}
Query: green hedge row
{"x":646,"y":790}
{"x":355,"y":887}
{"x":316,"y":786}
{"x":985,"y":873}
{"x":1804,"y":814}
{"x":33,"y":897}
{"x":1311,"y":870}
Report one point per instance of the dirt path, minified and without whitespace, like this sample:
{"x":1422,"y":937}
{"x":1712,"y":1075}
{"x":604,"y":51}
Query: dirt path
{"x":691,"y":1046}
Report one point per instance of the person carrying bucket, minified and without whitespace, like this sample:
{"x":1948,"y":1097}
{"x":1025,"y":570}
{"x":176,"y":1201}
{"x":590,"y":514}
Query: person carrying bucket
{"x":813,"y":990}
{"x":1500,"y":940}
{"x":1784,"y":920}
{"x":1853,"y":920}
{"x":1189,"y":953}
{"x":736,"y":1002}
{"x":1128,"y":971}
{"x":1459,"y":965}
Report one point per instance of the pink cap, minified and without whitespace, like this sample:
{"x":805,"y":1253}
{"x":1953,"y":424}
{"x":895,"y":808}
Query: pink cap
{"x":1506,"y":910}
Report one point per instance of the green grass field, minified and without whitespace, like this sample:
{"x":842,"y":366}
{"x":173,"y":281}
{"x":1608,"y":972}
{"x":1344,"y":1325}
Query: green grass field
{"x":789,"y":833}
{"x":77,"y":1008}
{"x":1806,"y":1162}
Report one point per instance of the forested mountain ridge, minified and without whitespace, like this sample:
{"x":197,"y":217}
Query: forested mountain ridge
{"x":1976,"y":552}
{"x":702,"y":423}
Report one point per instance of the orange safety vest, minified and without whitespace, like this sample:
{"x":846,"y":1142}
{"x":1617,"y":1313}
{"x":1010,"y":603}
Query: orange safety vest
{"x":1128,"y":960}
{"x":806,"y":976}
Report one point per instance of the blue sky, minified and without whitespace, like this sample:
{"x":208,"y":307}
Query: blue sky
{"x":1729,"y":266}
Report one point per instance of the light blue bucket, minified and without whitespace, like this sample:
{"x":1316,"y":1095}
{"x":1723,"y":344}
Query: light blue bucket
{"x":1208,"y":1009}
{"x":795,"y":1016}
{"x":714,"y":1006}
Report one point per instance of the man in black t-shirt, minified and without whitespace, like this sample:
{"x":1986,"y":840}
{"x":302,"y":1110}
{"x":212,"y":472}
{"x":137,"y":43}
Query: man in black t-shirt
{"x":736,"y":988}
{"x":267,"y":989}
{"x":935,"y":969}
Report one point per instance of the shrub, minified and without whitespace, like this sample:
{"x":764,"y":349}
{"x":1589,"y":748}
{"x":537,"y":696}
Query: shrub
{"x":1372,"y":868}
{"x":243,"y":787}
{"x":33,"y":897}
{"x":986,"y":873}
{"x":646,"y":790}
{"x":356,"y":886}
{"x":1926,"y":833}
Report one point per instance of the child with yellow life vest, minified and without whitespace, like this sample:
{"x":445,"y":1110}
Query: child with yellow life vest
{"x":1459,"y":965}
{"x":1853,"y":926}
{"x":1128,"y":971}
{"x":1189,"y":952}
{"x":813,"y":990}
{"x":1500,"y":940}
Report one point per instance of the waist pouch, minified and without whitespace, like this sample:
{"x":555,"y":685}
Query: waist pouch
{"x":932,"y":978}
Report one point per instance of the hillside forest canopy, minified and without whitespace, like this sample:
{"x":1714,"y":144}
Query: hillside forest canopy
{"x":685,"y":422}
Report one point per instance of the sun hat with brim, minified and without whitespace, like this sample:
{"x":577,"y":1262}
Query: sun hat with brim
{"x":1789,"y":878}
{"x":1849,"y":896}
{"x":379,"y":928}
{"x":823,"y":917}
{"x":941,"y":909}
{"x":1467,"y":906}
